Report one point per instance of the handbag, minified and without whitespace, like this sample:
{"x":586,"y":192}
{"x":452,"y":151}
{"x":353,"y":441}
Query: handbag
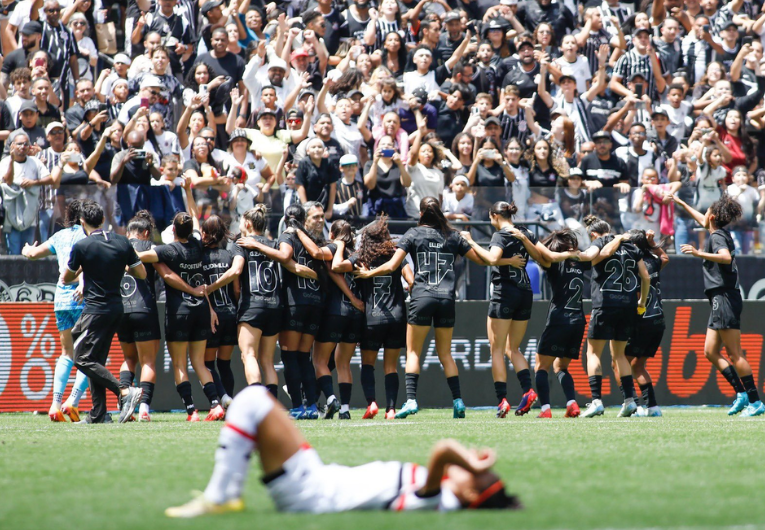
{"x":106,"y":35}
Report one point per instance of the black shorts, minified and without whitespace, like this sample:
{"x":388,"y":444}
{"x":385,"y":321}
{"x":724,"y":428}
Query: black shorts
{"x":191,"y":327}
{"x":139,"y":327}
{"x":726,"y":309}
{"x":647,"y":337}
{"x":302,"y":318}
{"x":225,"y":333}
{"x":561,"y":340}
{"x":612,"y":323}
{"x":268,"y":321}
{"x":427,"y":311}
{"x":514,"y":307}
{"x":390,"y":336}
{"x":335,"y":328}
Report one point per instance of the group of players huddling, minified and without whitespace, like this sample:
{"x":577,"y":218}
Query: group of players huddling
{"x":249,"y":291}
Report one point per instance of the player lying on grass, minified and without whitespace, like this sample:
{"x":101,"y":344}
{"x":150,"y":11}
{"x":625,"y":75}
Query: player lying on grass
{"x":297,"y":480}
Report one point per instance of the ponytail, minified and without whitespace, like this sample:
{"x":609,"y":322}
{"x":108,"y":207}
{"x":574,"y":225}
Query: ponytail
{"x":432,"y":216}
{"x":597,"y":225}
{"x":256,"y":216}
{"x":504,"y":209}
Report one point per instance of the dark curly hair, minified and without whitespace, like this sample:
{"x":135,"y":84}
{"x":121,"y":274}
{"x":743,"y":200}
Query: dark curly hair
{"x":726,"y":211}
{"x":376,"y":246}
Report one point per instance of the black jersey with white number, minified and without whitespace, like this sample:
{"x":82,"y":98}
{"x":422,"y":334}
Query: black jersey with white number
{"x":216,"y":262}
{"x":433,"y":255}
{"x":384,"y":298}
{"x":719,"y":275}
{"x":259,"y":286}
{"x":184,"y":259}
{"x":299,"y":290}
{"x":653,"y":306}
{"x":337,"y":303}
{"x":504,"y":277}
{"x":567,"y":281}
{"x":615,"y":280}
{"x":138,"y":295}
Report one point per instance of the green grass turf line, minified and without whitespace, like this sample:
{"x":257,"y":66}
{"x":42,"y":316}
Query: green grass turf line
{"x":694,"y":468}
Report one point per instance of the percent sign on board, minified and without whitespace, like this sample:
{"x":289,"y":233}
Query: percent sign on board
{"x":45,"y":341}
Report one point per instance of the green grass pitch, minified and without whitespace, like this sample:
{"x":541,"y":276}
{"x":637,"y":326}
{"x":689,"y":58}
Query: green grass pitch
{"x":694,"y":468}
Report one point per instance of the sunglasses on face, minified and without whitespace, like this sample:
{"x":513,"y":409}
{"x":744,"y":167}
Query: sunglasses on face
{"x":54,"y":10}
{"x":154,"y":92}
{"x":294,"y":120}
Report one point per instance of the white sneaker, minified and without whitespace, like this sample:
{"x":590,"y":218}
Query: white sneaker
{"x":225,"y":401}
{"x":654,"y":412}
{"x":628,"y":409}
{"x":642,"y":412}
{"x":594,"y":409}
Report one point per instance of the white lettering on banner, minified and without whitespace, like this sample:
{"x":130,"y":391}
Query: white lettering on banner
{"x":46,"y":343}
{"x":6,"y":354}
{"x":462,"y":353}
{"x":482,"y":345}
{"x":757,"y":291}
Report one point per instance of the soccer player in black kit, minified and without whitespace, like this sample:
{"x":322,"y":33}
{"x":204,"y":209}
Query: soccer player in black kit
{"x":139,"y":332}
{"x":649,"y":328}
{"x":616,"y":265}
{"x":302,"y":305}
{"x":189,"y":318}
{"x":217,"y":261}
{"x":385,"y":311}
{"x":722,"y":288}
{"x":433,"y":246}
{"x":102,"y":258}
{"x":260,"y":312}
{"x":342,"y":324}
{"x":511,"y":301}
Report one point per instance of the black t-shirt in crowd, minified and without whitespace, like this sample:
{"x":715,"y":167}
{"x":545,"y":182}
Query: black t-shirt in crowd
{"x":103,"y":257}
{"x":567,"y":281}
{"x":450,"y":122}
{"x":184,"y":259}
{"x":718,"y":275}
{"x":259,"y":286}
{"x":337,"y":303}
{"x":230,"y":65}
{"x":608,"y":172}
{"x":653,"y":305}
{"x":299,"y":290}
{"x":15,"y":59}
{"x":388,"y":183}
{"x":433,"y":255}
{"x":615,"y":280}
{"x":316,"y":179}
{"x":216,"y":262}
{"x":542,"y":179}
{"x":138,"y":295}
{"x":383,"y":297}
{"x":489,"y":176}
{"x":505,"y":277}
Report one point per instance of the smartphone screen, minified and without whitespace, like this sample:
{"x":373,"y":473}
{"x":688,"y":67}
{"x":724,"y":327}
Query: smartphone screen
{"x":145,"y":102}
{"x":639,"y":90}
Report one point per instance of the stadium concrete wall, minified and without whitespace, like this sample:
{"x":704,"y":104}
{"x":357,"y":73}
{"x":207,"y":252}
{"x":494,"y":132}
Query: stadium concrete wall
{"x":29,"y":348}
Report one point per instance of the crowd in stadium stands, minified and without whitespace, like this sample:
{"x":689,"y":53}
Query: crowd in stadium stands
{"x":566,"y":108}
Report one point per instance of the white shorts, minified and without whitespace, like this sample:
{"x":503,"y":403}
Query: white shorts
{"x":308,"y":485}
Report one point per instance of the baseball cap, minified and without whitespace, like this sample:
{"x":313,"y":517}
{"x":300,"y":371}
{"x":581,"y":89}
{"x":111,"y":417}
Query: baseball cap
{"x":295,"y":114}
{"x":300,"y":52}
{"x":355,"y":92}
{"x":730,"y":24}
{"x":659,"y":111}
{"x":452,"y":16}
{"x":304,"y":93}
{"x":53,"y":125}
{"x":210,"y":5}
{"x":575,"y":172}
{"x":32,"y":27}
{"x":637,"y":74}
{"x":122,"y":58}
{"x":566,"y":73}
{"x":151,"y":81}
{"x":266,"y":112}
{"x":602,"y":135}
{"x":508,"y":2}
{"x":637,"y":31}
{"x":239,"y":133}
{"x":28,"y":105}
{"x":421,"y":94}
{"x":277,"y":63}
{"x":492,"y":121}
{"x":93,"y":104}
{"x":348,"y":160}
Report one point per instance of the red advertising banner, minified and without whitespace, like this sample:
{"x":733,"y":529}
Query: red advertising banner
{"x":29,"y":348}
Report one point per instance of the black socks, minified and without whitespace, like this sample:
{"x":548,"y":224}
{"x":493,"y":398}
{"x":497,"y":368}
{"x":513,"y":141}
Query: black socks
{"x":274,"y":389}
{"x":325,"y":385}
{"x":732,"y":377}
{"x":345,"y":393}
{"x":500,"y":388}
{"x":628,"y":386}
{"x":184,"y":390}
{"x":751,"y":389}
{"x":226,"y":376}
{"x":567,"y":383}
{"x":454,"y":386}
{"x":543,"y":387}
{"x":649,"y":396}
{"x":411,"y":385}
{"x":368,"y":382}
{"x":147,"y":392}
{"x":219,"y":390}
{"x":126,"y":379}
{"x":292,"y":377}
{"x":524,"y":378}
{"x":212,"y":394}
{"x":596,"y":383}
{"x":391,"y":391}
{"x":307,"y":377}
